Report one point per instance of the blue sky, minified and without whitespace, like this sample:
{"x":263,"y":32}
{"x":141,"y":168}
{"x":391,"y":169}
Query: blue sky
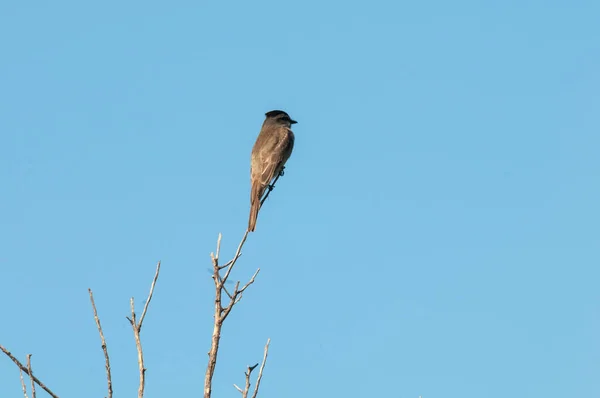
{"x":436,"y":232}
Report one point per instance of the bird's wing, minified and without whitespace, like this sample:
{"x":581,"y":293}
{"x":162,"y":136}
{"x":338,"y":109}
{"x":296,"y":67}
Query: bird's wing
{"x":268,"y":160}
{"x":264,"y":167}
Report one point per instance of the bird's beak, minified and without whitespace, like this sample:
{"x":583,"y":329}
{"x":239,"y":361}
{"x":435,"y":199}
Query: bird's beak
{"x":293,"y":121}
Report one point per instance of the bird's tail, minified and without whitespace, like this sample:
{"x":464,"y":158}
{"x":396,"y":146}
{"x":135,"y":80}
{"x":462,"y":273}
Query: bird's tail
{"x":254,"y":207}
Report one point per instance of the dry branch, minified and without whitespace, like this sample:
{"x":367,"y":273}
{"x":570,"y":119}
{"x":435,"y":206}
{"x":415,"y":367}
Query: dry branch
{"x":137,"y":328}
{"x":24,"y":369}
{"x":31,"y":375}
{"x":221,"y":312}
{"x":23,"y":387}
{"x":104,"y":347}
{"x":262,"y":367}
{"x":248,"y":372}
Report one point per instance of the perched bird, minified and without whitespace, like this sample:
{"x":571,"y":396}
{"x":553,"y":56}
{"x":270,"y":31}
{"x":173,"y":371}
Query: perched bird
{"x":272,"y":149}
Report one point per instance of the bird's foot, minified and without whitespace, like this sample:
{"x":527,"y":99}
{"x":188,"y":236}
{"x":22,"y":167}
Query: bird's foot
{"x":281,"y":173}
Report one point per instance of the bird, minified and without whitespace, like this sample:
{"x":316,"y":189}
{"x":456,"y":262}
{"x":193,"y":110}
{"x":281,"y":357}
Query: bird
{"x":271,"y":150}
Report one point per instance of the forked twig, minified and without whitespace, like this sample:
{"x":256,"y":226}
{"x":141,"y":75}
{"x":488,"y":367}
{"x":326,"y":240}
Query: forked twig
{"x":137,"y":328}
{"x":221,"y":312}
{"x":248,"y":372}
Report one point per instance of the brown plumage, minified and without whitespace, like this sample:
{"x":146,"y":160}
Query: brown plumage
{"x":272,"y":149}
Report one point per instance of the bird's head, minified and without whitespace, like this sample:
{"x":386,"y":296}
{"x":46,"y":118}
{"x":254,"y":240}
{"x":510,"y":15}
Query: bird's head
{"x":280,"y":117}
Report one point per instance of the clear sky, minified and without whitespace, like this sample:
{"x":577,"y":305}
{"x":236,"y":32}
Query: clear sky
{"x":436,"y":233}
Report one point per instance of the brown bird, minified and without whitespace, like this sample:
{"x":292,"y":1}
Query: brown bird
{"x":272,"y":149}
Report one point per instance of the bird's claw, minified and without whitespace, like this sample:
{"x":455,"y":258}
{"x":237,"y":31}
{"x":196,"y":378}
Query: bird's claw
{"x":281,"y":173}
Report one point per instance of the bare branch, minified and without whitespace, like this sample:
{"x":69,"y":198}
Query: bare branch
{"x":262,"y":367}
{"x":234,"y":259}
{"x":236,"y":289}
{"x":248,"y":372}
{"x":227,"y":292}
{"x":251,"y":281}
{"x":150,"y":295}
{"x":24,"y":369}
{"x":137,"y":328}
{"x":104,"y":347}
{"x":31,"y":375}
{"x":23,"y":383}
{"x":138,"y":346}
{"x":222,"y":312}
{"x":218,"y":246}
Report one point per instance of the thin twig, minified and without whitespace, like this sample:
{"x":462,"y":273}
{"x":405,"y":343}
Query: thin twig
{"x":31,"y":375}
{"x":234,"y":259}
{"x":149,"y":295}
{"x":262,"y":367}
{"x":251,"y":281}
{"x":236,"y":296}
{"x":227,"y":292}
{"x":23,"y":383}
{"x":137,"y":328}
{"x":24,"y":369}
{"x":104,"y":347}
{"x":218,"y":247}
